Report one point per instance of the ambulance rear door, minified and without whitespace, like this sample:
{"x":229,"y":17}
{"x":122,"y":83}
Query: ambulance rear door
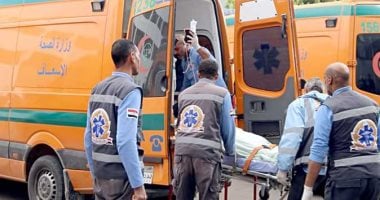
{"x":151,"y":29}
{"x":366,"y":51}
{"x":265,"y":65}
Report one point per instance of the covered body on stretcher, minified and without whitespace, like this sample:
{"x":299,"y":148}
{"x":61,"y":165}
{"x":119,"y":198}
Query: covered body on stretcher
{"x":253,"y":153}
{"x":255,"y":161}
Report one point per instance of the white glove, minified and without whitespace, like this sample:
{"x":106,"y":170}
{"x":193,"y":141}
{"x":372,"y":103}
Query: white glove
{"x":307,"y":193}
{"x":282,"y":177}
{"x":194,"y":41}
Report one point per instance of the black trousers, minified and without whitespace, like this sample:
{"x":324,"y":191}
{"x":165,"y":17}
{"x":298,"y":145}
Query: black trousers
{"x":298,"y":181}
{"x":196,"y":173}
{"x":353,"y":189}
{"x":115,"y":189}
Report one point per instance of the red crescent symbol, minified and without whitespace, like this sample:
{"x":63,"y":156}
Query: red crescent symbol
{"x":140,"y":46}
{"x":375,"y":64}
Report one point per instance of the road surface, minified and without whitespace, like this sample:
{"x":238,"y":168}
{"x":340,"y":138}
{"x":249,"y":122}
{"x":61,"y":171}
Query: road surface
{"x":10,"y":190}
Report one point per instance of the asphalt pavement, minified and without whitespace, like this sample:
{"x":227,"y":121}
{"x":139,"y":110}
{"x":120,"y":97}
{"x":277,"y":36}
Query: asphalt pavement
{"x":239,"y":190}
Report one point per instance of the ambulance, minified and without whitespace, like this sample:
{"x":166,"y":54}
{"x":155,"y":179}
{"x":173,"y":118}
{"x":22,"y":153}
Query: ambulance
{"x":53,"y":52}
{"x":347,"y":32}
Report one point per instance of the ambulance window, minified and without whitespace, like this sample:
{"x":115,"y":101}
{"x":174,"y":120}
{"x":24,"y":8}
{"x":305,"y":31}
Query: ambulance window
{"x":265,"y":58}
{"x":150,"y":33}
{"x":368,"y":63}
{"x":127,"y":11}
{"x":204,"y":41}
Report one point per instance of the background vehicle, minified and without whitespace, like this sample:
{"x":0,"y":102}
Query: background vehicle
{"x":345,"y":31}
{"x":55,"y":51}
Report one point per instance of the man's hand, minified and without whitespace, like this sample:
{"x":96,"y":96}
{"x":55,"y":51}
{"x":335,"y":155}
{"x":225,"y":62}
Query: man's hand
{"x":307,"y":193}
{"x":139,"y":194}
{"x":193,"y":39}
{"x":282,"y":177}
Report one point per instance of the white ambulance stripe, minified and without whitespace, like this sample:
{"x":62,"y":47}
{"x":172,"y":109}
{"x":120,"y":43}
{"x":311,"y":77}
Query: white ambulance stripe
{"x":298,"y":130}
{"x":105,"y":99}
{"x":211,"y":97}
{"x":289,"y":151}
{"x":359,"y":160}
{"x":106,"y":157}
{"x":355,"y":112}
{"x":198,"y":141}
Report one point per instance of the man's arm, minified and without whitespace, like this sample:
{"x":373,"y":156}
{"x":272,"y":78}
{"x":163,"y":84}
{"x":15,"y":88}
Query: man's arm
{"x":320,"y":145}
{"x":88,"y":142}
{"x":128,"y":113}
{"x":292,"y":135}
{"x":204,"y":53}
{"x":228,"y":126}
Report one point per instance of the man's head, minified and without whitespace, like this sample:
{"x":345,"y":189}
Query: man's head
{"x":314,"y":84}
{"x":336,"y":76}
{"x":208,"y":69}
{"x":179,"y":46}
{"x":126,"y":56}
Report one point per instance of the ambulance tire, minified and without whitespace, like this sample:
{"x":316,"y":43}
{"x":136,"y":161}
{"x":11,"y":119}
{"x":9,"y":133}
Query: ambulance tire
{"x":46,"y":179}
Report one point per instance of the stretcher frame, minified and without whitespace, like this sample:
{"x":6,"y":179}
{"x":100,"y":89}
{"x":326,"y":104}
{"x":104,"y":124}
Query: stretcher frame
{"x":266,"y":181}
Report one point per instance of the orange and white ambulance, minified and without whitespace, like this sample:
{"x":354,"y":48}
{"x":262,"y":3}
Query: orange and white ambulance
{"x":348,"y":32}
{"x":53,"y":52}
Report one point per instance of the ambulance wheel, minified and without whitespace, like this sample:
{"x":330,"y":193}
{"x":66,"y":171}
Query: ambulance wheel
{"x":264,"y":193}
{"x":45,"y":180}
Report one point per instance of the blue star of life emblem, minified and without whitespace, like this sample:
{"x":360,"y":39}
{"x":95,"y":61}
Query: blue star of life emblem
{"x":98,"y":125}
{"x":366,"y":134}
{"x":191,"y":118}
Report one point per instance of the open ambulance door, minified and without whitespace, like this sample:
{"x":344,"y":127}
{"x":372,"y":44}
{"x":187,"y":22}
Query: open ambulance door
{"x":366,"y":50}
{"x":151,"y":29}
{"x":265,"y":65}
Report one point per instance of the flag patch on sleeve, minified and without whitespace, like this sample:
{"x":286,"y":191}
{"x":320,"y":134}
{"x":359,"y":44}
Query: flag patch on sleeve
{"x":132,"y":113}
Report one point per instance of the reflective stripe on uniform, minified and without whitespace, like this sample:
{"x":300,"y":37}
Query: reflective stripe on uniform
{"x":106,"y":158}
{"x":105,"y":99}
{"x":301,"y":160}
{"x":355,"y":112}
{"x":198,"y":141}
{"x":211,"y":97}
{"x":305,"y":160}
{"x":290,"y":151}
{"x":310,"y":113}
{"x":298,"y":130}
{"x":357,"y":160}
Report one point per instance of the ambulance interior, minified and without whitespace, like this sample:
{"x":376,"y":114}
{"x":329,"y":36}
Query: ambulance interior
{"x":204,"y":12}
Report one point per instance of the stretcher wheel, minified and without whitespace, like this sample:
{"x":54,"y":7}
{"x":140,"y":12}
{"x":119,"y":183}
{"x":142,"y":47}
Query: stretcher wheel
{"x":264,"y":193}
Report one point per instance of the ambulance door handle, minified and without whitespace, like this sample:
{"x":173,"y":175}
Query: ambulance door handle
{"x":164,"y":83}
{"x":283,"y":28}
{"x":257,"y":106}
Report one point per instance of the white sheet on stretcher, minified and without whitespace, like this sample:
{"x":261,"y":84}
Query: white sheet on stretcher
{"x":265,"y":160}
{"x":255,"y":165}
{"x":246,"y":142}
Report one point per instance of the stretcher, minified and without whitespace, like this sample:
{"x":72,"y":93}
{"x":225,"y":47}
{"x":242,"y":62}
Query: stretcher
{"x":260,"y":173}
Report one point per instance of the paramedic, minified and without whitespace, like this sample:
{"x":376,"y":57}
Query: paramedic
{"x":188,"y":58}
{"x":347,"y":129}
{"x":112,"y":136}
{"x":294,"y":147}
{"x":205,"y":131}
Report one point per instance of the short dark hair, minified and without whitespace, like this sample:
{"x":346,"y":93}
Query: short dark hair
{"x":208,"y":68}
{"x":121,"y":49}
